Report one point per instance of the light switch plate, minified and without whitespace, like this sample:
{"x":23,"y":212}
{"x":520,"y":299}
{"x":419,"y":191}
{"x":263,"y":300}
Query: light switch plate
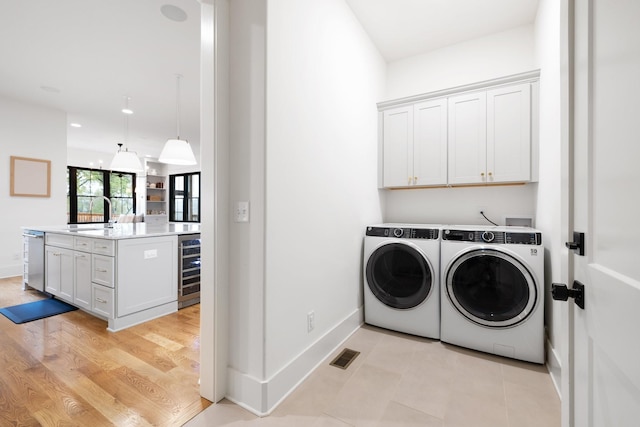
{"x":242,"y":212}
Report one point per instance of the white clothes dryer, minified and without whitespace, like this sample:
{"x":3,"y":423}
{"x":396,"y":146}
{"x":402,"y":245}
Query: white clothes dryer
{"x":492,"y":290}
{"x":401,"y":267}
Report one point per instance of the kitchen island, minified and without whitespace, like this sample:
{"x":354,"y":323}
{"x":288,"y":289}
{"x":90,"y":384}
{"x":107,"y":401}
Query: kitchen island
{"x":125,"y":274}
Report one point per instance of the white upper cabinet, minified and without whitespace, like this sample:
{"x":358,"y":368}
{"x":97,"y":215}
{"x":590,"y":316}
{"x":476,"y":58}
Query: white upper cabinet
{"x":430,"y":143}
{"x":509,"y":133}
{"x":468,"y":138}
{"x":415,"y":145}
{"x":473,"y":135}
{"x":398,"y":147}
{"x":490,"y":136}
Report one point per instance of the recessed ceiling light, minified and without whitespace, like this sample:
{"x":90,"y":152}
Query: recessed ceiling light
{"x":127,"y":111}
{"x":75,"y":125}
{"x":50,"y":89}
{"x":173,"y":13}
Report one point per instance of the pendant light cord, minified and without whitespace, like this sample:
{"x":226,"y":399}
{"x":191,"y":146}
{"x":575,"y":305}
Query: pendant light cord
{"x":178,"y":105}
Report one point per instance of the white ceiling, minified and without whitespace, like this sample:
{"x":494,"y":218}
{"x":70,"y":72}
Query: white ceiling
{"x":96,"y":52}
{"x":403,"y":28}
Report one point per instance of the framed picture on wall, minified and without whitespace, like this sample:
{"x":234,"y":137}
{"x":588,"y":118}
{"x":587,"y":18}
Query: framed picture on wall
{"x":30,"y":177}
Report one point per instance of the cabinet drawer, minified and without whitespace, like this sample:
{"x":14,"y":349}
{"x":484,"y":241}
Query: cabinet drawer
{"x":82,"y":244}
{"x":102,"y":300}
{"x":102,"y":270}
{"x":103,"y":246}
{"x":61,"y":240}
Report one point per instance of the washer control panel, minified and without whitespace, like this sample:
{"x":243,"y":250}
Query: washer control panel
{"x":404,"y":233}
{"x":495,"y":237}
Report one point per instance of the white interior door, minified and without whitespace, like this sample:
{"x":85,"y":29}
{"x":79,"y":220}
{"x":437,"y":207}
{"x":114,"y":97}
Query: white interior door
{"x":604,"y":343}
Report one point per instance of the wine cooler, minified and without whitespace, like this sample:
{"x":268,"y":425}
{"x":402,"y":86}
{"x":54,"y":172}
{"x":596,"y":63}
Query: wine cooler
{"x":189,"y":270}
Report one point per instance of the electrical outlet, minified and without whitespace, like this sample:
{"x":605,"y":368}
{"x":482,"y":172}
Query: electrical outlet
{"x":311,"y":321}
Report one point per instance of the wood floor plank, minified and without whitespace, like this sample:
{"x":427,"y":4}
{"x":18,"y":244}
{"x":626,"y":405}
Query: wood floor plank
{"x":65,"y":402}
{"x":69,"y":370}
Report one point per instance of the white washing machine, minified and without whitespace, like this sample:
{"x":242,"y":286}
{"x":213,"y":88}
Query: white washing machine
{"x":492,"y":290}
{"x":401,"y":267}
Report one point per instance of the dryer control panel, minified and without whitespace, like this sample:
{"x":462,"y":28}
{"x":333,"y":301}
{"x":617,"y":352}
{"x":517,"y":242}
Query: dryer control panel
{"x":492,"y":236}
{"x":404,"y":233}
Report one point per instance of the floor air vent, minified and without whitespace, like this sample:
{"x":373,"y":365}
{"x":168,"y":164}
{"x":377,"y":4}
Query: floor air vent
{"x":344,"y":359}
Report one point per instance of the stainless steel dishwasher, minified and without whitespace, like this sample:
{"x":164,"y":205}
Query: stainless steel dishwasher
{"x":33,"y":260}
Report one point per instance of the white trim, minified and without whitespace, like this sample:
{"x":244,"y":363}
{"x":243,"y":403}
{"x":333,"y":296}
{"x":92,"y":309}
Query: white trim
{"x":11,"y":270}
{"x":262,"y":397}
{"x":520,"y":77}
{"x":554,"y":367}
{"x":123,"y":322}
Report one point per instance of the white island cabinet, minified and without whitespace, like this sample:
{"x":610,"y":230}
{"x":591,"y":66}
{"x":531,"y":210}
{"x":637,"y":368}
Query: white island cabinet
{"x":126,"y":275}
{"x":146,"y":279}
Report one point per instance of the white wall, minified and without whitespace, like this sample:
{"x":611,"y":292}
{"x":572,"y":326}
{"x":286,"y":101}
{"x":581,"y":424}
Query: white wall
{"x":501,"y":54}
{"x":34,"y":132}
{"x":85,"y":158}
{"x":311,"y":184}
{"x":461,"y":205}
{"x":547,"y":30}
{"x":497,"y":55}
{"x":247,"y":168}
{"x":324,"y":77}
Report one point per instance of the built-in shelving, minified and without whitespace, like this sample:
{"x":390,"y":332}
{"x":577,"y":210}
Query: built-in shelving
{"x":156,"y":194}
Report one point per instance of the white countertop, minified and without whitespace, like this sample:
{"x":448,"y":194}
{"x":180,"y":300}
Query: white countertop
{"x":121,"y":231}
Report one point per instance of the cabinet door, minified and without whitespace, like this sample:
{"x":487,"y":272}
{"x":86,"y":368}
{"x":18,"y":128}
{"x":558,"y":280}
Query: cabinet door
{"x":467,"y":138}
{"x":67,"y":279}
{"x":52,"y":270}
{"x":82,"y":269}
{"x":430,"y":143}
{"x":509,"y":134}
{"x":397,"y":147}
{"x":59,"y":272}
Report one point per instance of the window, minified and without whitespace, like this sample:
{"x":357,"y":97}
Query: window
{"x":88,"y":189}
{"x":184,"y":197}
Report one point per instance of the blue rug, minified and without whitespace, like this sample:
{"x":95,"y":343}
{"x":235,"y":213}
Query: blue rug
{"x":30,"y":311}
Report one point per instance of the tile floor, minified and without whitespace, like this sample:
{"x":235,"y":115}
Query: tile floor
{"x":400,"y":380}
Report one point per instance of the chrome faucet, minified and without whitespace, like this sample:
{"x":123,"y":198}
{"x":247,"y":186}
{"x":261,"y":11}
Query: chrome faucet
{"x":110,"y":221}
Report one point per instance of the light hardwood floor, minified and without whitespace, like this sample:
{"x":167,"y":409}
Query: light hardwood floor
{"x":69,"y":370}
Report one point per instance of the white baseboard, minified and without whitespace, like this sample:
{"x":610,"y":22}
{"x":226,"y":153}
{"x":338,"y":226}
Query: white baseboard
{"x":554,"y":367}
{"x":262,"y":397}
{"x":7,"y":271}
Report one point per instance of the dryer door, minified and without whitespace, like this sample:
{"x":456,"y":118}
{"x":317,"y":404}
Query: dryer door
{"x":491,"y":288}
{"x":399,"y":275}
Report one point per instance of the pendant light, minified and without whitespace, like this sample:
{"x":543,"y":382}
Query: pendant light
{"x":125,"y":160}
{"x":177,"y":151}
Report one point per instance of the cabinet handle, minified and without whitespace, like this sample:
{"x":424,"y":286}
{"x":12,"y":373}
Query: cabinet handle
{"x":80,"y":256}
{"x":103,"y":301}
{"x":101,"y":270}
{"x":409,"y":181}
{"x":482,"y":174}
{"x":101,"y":247}
{"x":415,"y":179}
{"x":490,"y":174}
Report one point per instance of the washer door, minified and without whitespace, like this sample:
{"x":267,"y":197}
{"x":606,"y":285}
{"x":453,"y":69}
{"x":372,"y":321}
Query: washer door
{"x":491,"y":288}
{"x":399,"y":275}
